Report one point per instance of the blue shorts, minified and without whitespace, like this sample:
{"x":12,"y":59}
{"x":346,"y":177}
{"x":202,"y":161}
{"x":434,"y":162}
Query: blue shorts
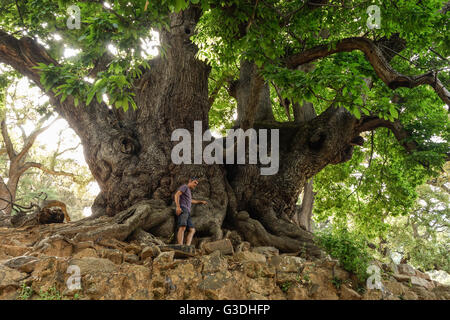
{"x":184,"y":219}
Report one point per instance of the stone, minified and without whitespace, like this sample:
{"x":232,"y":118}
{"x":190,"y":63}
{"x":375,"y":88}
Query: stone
{"x":185,"y":272}
{"x":423,"y":293}
{"x":391,"y":297}
{"x":442,"y":292}
{"x":22,"y":263}
{"x":131,"y":258}
{"x":329,"y":264}
{"x":254,"y":270}
{"x":267,"y":251}
{"x":126,"y":282}
{"x":89,"y":265}
{"x":224,"y":246}
{"x":83,"y":245}
{"x":297,"y":293}
{"x":215,"y":281}
{"x":322,"y":276}
{"x":349,"y":294}
{"x":133,"y":248}
{"x":422,"y":275}
{"x":262,"y":286}
{"x":14,"y":251}
{"x":49,"y":271}
{"x":114,"y":255}
{"x":406,"y":269}
{"x":394,"y":267}
{"x":402,"y":277}
{"x":247,"y":256}
{"x":410,"y":295}
{"x":150,"y":251}
{"x":341,"y":274}
{"x":214,"y":262}
{"x":372,"y":295}
{"x":181,"y":250}
{"x":10,"y":278}
{"x":323,"y":292}
{"x":287,"y":263}
{"x":88,"y":252}
{"x":421,"y":282}
{"x":288,"y":277}
{"x":394,"y":287}
{"x":145,"y":239}
{"x":243,"y":246}
{"x":164,"y":258}
{"x":256,"y":296}
{"x":389,"y":268}
{"x":224,"y":285}
{"x":58,"y":248}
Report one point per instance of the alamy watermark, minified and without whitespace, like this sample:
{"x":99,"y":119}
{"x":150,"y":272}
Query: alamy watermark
{"x":74,"y":281}
{"x":374,"y":280}
{"x":74,"y":20}
{"x":374,"y":19}
{"x":214,"y":153}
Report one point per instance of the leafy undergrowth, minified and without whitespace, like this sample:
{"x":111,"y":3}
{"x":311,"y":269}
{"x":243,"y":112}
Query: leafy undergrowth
{"x":349,"y":248}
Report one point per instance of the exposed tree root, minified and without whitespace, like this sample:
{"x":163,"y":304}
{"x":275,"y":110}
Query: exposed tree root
{"x":150,"y":218}
{"x":297,"y":241}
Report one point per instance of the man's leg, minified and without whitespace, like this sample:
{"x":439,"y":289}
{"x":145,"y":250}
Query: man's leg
{"x":180,"y":234}
{"x":190,"y":235}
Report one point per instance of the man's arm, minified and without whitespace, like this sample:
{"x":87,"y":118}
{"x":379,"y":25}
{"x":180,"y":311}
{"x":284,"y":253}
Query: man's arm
{"x":177,"y":201}
{"x":198,"y":202}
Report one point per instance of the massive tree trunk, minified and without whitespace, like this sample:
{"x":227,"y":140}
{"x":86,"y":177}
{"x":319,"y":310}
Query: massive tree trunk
{"x":129,"y":153}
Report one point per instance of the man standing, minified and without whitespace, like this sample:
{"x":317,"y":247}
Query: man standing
{"x":183,"y":200}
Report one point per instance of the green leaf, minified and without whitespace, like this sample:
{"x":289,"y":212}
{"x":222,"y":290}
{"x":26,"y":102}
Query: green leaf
{"x":393,"y":112}
{"x":179,"y":5}
{"x":99,"y":96}
{"x":90,"y":96}
{"x":359,"y":100}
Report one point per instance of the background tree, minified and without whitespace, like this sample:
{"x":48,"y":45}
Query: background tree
{"x":423,"y":236}
{"x":124,"y":104}
{"x":24,"y":119}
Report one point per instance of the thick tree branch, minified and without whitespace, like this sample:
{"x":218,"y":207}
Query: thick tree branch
{"x":372,"y":123}
{"x":374,"y":55}
{"x":41,"y":167}
{"x":8,"y":144}
{"x":23,"y":55}
{"x":57,"y":154}
{"x":32,"y":138}
{"x":212,"y":97}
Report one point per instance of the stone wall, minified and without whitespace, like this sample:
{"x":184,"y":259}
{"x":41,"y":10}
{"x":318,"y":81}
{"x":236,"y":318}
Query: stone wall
{"x":111,"y":269}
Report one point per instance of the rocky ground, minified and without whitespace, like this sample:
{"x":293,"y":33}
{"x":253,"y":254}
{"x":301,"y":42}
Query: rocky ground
{"x":31,"y":268}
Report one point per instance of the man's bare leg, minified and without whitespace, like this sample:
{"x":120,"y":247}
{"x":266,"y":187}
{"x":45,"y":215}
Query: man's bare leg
{"x":180,"y":234}
{"x":190,"y":235}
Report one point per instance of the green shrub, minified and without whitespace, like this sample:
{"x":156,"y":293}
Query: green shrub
{"x":286,"y":285}
{"x":51,"y":294}
{"x":337,"y":282}
{"x":349,"y":248}
{"x":25,"y":292}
